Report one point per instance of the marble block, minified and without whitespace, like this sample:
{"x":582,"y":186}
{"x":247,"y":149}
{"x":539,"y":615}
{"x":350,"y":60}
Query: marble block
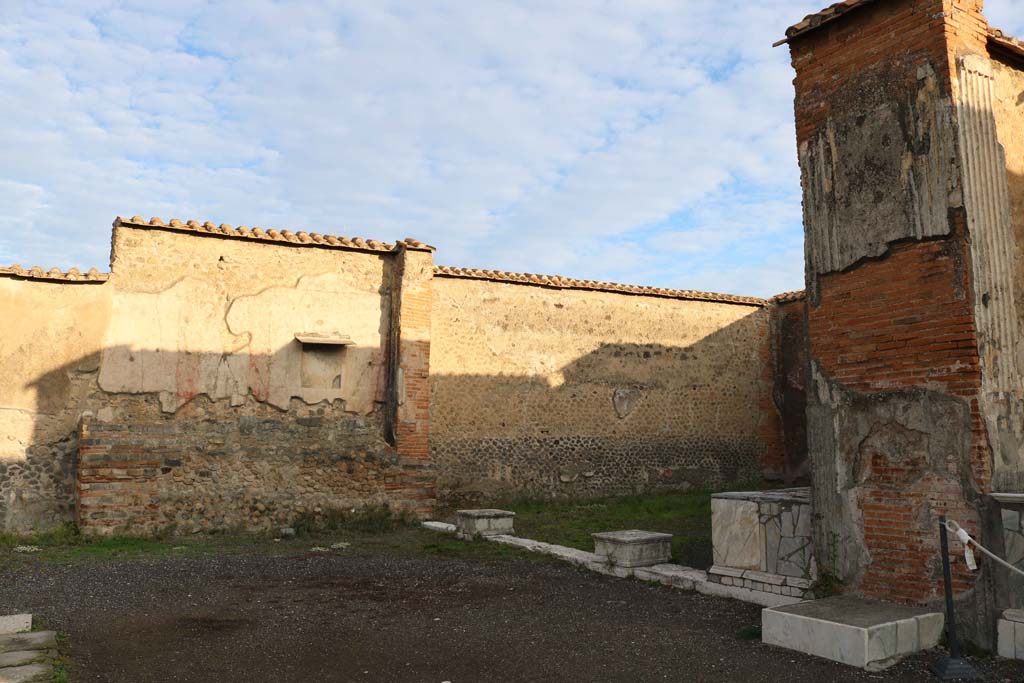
{"x":1010,"y":634}
{"x":735,"y":533}
{"x":633,"y":548}
{"x":863,"y":633}
{"x":470,"y":524}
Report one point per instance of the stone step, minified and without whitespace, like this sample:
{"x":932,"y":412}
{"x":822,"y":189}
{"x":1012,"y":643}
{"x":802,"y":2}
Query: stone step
{"x":37,"y":640}
{"x":23,"y":657}
{"x":863,"y":633}
{"x":33,"y":673}
{"x":15,"y":623}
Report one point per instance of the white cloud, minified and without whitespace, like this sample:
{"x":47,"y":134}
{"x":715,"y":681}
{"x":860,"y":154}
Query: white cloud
{"x":648,"y":141}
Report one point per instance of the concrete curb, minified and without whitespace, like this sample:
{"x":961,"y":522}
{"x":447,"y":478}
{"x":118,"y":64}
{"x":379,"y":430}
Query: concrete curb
{"x":674,"y":575}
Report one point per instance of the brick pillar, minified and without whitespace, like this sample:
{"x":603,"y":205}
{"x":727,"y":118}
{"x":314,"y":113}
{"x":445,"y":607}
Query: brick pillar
{"x":414,"y":487}
{"x":898,"y":368}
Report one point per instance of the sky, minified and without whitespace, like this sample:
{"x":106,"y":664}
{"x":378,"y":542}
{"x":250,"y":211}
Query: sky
{"x":647,"y":142}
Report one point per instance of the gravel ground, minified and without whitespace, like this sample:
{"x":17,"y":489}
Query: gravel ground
{"x":321,"y":617}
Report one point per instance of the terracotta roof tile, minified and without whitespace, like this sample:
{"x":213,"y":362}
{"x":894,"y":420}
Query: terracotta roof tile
{"x":1005,"y":40}
{"x":813,"y":21}
{"x":271,"y":234}
{"x":789,"y":297}
{"x":560,"y":282}
{"x":37,"y":273}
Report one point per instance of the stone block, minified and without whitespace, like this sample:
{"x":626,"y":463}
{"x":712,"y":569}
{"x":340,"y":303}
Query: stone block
{"x":25,"y":657}
{"x":36,"y":640}
{"x":15,"y":623}
{"x":762,"y":598}
{"x":33,"y":673}
{"x":472,"y":524}
{"x":718,"y":570}
{"x":851,"y":630}
{"x":633,"y":548}
{"x":605,"y":567}
{"x":736,"y":533}
{"x":674,"y":575}
{"x":1006,"y":643}
{"x":443,"y":527}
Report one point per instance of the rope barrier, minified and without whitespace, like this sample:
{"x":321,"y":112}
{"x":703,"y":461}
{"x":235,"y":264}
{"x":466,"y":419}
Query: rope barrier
{"x":964,"y":537}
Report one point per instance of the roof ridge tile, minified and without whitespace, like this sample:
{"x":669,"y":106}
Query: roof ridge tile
{"x":273,"y":234}
{"x":53,"y":274}
{"x":562,"y":282}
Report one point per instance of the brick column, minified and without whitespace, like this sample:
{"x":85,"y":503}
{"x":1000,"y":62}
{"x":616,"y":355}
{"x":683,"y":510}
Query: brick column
{"x":896,"y":398}
{"x":414,"y":487}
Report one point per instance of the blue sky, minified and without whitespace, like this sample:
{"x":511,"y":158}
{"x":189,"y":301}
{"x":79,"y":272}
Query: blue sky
{"x":648,"y":141}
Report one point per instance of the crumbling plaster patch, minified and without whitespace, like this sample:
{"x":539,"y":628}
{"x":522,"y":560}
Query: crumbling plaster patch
{"x":882,"y":171}
{"x":190,"y":339}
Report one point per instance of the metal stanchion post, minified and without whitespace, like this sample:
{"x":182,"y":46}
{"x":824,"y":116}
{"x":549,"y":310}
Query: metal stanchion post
{"x":953,"y":667}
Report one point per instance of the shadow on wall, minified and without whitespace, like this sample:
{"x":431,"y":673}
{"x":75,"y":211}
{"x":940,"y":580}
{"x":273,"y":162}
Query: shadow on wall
{"x":221,"y":458}
{"x":623,"y":418}
{"x":217,"y":441}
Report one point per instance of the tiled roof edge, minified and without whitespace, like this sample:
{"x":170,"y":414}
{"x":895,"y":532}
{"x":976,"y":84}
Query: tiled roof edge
{"x":560,"y":282}
{"x":54,"y":274}
{"x":818,"y":19}
{"x":789,"y":297}
{"x":272,"y":235}
{"x":1007,"y":41}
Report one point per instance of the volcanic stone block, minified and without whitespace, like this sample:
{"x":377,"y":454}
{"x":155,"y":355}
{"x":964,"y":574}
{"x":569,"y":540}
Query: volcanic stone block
{"x":471,"y":524}
{"x":633,"y":548}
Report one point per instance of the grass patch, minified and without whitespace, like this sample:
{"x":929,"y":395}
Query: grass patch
{"x":379,"y":519}
{"x":687,"y":516}
{"x":66,"y":542}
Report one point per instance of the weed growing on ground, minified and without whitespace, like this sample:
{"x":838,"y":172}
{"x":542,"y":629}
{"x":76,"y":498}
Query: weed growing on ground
{"x":826,"y":586}
{"x":749,"y":633}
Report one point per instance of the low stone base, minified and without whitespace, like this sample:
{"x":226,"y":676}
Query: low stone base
{"x":1010,"y":634}
{"x":761,"y":581}
{"x":470,"y":524}
{"x":851,"y":630}
{"x":633,"y":548}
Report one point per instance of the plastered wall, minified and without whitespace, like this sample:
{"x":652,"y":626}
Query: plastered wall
{"x":561,"y":392}
{"x":49,"y":360}
{"x":1008,"y":108}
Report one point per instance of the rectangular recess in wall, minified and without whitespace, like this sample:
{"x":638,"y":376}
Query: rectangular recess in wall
{"x":323,"y":356}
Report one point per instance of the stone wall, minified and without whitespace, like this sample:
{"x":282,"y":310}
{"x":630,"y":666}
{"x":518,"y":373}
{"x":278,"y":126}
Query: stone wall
{"x":225,"y":378}
{"x":548,"y":390}
{"x":217,"y":379}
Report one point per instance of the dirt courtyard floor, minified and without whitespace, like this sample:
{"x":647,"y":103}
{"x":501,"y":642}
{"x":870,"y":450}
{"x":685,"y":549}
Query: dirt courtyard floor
{"x":389,"y":612}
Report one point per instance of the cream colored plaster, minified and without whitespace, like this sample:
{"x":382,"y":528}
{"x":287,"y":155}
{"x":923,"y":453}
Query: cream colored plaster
{"x":190,"y":340}
{"x":51,"y":338}
{"x":514,"y":360}
{"x":218,"y":317}
{"x":324,"y":304}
